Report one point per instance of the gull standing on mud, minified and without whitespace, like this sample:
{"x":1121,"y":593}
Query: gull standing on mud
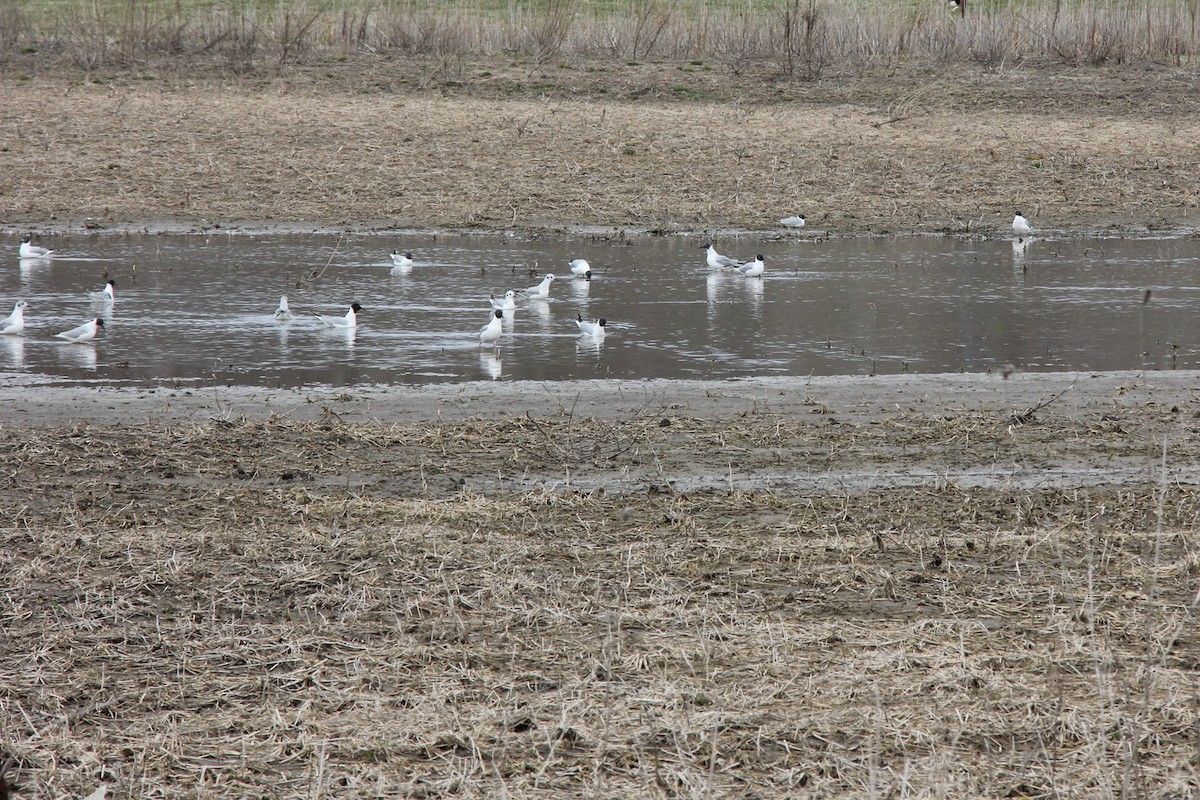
{"x":753,"y":269}
{"x":796,"y":221}
{"x":1021,"y":227}
{"x":283,"y":312}
{"x":541,"y":291}
{"x":491,"y":332}
{"x":84,"y":333}
{"x":14,"y":323}
{"x":105,"y":295}
{"x":29,"y":250}
{"x":716,"y":260}
{"x":348,"y":321}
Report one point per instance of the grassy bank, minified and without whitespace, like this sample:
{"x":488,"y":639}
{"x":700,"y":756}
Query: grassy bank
{"x":806,"y":39}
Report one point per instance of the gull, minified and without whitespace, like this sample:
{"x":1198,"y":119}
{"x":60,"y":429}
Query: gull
{"x":105,"y":295}
{"x":401,"y":259}
{"x":796,"y":221}
{"x":283,"y":312}
{"x":15,"y":323}
{"x":28,"y":250}
{"x":541,"y":291}
{"x":491,"y":332}
{"x":593,"y":329}
{"x":753,"y":269}
{"x":580,"y":268}
{"x":507,"y":303}
{"x":84,"y":333}
{"x":1021,"y":226}
{"x":348,"y":321}
{"x":716,"y":260}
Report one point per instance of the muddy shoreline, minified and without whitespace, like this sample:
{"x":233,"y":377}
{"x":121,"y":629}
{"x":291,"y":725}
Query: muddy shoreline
{"x":358,"y":147}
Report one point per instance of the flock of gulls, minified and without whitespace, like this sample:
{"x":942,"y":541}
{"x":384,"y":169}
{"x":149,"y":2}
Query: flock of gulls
{"x":14,"y":323}
{"x":502,"y":308}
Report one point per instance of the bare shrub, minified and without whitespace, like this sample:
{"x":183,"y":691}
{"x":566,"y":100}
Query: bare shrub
{"x":805,"y":45}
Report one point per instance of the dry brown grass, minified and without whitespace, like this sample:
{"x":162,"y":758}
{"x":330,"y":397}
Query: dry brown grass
{"x":799,"y":38}
{"x":369,"y":148}
{"x":283,"y":609}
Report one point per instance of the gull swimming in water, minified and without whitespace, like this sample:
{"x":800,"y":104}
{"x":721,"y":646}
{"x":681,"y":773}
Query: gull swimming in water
{"x":541,"y":291}
{"x":105,"y":295}
{"x":29,"y":250}
{"x":796,"y":221}
{"x":491,"y":332}
{"x":580,"y":268}
{"x":348,"y":321}
{"x":401,"y":259}
{"x":593,"y":329}
{"x":84,"y":333}
{"x":15,"y":322}
{"x":1020,"y":226}
{"x":507,"y":303}
{"x":283,"y":312}
{"x":753,"y":269}
{"x":716,"y":260}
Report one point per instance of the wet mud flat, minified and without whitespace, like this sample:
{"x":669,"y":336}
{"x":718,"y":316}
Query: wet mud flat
{"x":929,"y":585}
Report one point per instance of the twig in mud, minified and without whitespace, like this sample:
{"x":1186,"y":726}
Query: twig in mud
{"x":1028,"y":414}
{"x":312,"y":276}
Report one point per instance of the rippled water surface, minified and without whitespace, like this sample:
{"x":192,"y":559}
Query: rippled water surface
{"x":198,"y":308}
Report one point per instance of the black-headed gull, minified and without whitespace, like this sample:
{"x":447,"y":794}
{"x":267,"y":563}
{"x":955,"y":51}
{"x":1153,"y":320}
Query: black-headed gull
{"x":580,"y":268}
{"x":491,"y":332}
{"x":15,"y":322}
{"x":401,"y":259}
{"x":593,"y":329}
{"x":753,"y":269}
{"x":1020,"y":226}
{"x":506,"y":303}
{"x":541,"y":291}
{"x":29,"y":250}
{"x":105,"y":295}
{"x":283,"y":312}
{"x":348,"y":321}
{"x":796,"y":221}
{"x":84,"y":333}
{"x":716,"y":260}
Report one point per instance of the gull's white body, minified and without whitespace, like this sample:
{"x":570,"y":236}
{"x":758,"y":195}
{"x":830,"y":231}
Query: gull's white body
{"x":593,"y":329}
{"x":84,"y":333}
{"x":753,"y":269}
{"x":1021,"y":226}
{"x":796,"y":221}
{"x":15,"y":323}
{"x":350,"y":320}
{"x":716,"y":260}
{"x":506,"y":303}
{"x":541,"y":291}
{"x":29,"y":250}
{"x":580,"y":268}
{"x":401,"y":259}
{"x":106,"y":294}
{"x":283,"y":312}
{"x":491,"y":332}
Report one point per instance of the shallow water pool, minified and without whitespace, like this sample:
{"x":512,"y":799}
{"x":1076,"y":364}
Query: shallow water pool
{"x":198,"y":308}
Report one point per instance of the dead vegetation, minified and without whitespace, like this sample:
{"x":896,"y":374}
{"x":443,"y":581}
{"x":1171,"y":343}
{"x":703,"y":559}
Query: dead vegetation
{"x":375,"y":146}
{"x":283,"y":609}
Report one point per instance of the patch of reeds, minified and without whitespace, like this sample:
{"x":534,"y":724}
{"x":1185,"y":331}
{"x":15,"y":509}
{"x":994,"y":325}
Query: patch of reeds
{"x":801,"y":38}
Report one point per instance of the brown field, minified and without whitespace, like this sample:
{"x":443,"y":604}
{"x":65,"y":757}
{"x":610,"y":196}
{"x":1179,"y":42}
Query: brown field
{"x":935,"y":586}
{"x":659,"y":147}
